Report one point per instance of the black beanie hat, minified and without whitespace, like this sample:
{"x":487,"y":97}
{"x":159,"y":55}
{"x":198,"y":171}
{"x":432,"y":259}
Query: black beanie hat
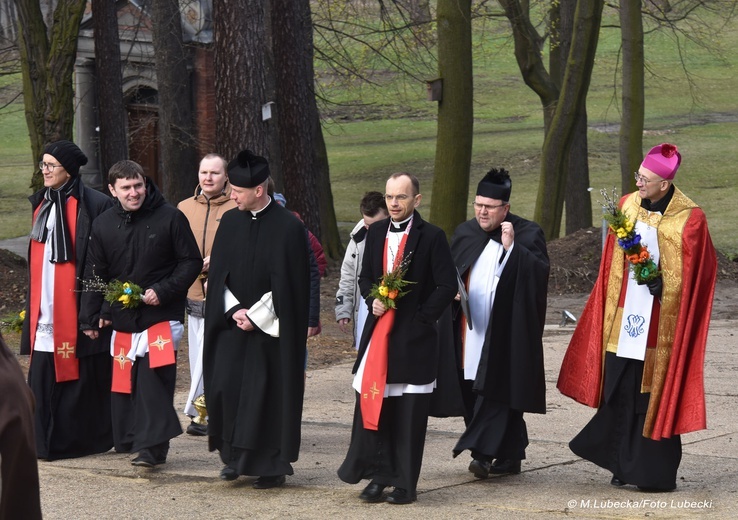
{"x":68,"y":154}
{"x":248,"y":170}
{"x":496,"y":185}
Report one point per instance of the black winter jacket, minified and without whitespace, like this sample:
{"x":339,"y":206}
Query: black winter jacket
{"x":152,"y":247}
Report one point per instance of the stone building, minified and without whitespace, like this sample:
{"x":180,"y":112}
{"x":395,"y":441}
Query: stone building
{"x":140,"y":93}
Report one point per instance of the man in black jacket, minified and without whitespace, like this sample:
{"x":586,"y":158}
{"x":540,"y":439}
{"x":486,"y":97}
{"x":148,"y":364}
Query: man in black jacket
{"x":391,"y":413}
{"x":144,"y":241}
{"x":503,"y":262}
{"x":69,"y":373}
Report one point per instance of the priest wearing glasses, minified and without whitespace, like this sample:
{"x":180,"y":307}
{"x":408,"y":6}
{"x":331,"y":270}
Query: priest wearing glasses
{"x":397,"y":363}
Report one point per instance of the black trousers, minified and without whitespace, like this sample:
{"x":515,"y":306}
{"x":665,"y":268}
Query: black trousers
{"x":392,"y":455}
{"x":146,"y":417}
{"x":614,"y":439}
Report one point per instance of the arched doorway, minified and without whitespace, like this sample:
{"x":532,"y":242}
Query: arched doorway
{"x":142,"y":106}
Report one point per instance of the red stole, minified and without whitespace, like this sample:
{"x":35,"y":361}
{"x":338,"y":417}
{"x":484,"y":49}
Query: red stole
{"x":121,"y":364}
{"x":374,"y":378}
{"x":64,"y":317}
{"x":161,"y":353}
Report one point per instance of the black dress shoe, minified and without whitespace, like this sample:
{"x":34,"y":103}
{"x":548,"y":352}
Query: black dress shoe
{"x":269,"y":482}
{"x":198,"y":430}
{"x":146,"y":460}
{"x":400,"y":497}
{"x":505,"y":467}
{"x":615,"y":481}
{"x":480,"y":468}
{"x":228,"y":473}
{"x":372,"y":492}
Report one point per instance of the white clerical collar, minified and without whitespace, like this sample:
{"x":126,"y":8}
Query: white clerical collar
{"x":401,"y":223}
{"x":269,"y":200}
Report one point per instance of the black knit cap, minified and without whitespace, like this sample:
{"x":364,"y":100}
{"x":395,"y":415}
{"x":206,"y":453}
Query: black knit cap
{"x":248,"y":170}
{"x":496,"y":185}
{"x":68,"y":154}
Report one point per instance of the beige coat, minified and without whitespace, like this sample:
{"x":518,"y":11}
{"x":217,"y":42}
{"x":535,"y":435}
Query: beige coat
{"x":204,"y":216}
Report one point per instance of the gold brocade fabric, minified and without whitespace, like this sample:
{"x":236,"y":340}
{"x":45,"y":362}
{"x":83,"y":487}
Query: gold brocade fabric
{"x":670,"y":226}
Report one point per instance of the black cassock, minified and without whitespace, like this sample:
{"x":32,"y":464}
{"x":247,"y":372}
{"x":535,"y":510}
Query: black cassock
{"x":254,"y":383}
{"x":511,"y":377}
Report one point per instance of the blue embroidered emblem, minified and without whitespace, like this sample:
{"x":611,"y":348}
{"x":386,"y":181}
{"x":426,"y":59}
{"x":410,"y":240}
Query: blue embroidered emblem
{"x":634,"y":325}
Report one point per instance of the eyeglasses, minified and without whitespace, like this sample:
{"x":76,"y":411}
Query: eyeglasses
{"x":480,"y":207}
{"x":398,"y":198}
{"x":643,"y":180}
{"x":45,"y":166}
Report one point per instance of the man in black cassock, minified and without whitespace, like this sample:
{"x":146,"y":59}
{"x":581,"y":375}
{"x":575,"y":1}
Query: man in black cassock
{"x":389,"y":451}
{"x":256,"y":323}
{"x":503,"y":263}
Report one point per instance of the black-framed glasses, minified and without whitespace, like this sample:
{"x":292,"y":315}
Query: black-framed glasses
{"x":642,"y":179}
{"x":45,"y":166}
{"x":488,"y":207}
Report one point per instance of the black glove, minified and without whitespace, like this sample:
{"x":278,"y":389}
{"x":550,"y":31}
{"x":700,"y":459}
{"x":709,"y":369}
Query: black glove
{"x":656,"y":286}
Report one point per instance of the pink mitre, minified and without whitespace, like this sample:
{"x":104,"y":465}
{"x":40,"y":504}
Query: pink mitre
{"x":663,"y":160}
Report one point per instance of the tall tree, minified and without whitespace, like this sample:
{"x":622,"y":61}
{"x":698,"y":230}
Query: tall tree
{"x":291,"y":28}
{"x":455,"y":115}
{"x":251,"y":36}
{"x":577,"y":201}
{"x":633,"y":95}
{"x":240,"y":88}
{"x":47,"y":62}
{"x":329,"y":236}
{"x":176,"y":124}
{"x":547,"y":84}
{"x":112,"y":120}
{"x":571,"y":103}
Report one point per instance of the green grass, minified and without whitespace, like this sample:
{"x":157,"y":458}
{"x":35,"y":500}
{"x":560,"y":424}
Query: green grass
{"x":15,"y":173}
{"x":508,"y":128}
{"x":394,"y":129}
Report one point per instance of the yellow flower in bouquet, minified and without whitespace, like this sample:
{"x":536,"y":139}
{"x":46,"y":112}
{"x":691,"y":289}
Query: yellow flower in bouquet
{"x":391,"y":286}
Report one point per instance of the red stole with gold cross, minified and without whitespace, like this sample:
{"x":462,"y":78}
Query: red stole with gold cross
{"x":374,"y":379}
{"x":161,"y":353}
{"x":66,"y":364}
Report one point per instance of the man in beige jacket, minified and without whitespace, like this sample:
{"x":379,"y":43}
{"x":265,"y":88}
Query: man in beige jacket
{"x":204,"y":211}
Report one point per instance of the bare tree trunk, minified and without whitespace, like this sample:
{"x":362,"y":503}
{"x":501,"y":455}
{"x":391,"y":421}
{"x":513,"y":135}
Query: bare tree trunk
{"x":59,"y":115}
{"x":239,"y":76}
{"x":329,"y":236}
{"x":578,"y":200}
{"x":291,"y":40}
{"x":528,"y":45}
{"x":631,"y":125}
{"x":8,"y":29}
{"x":455,"y":115}
{"x":556,"y":146}
{"x":110,"y":108}
{"x":272,"y":125}
{"x":47,"y":64}
{"x":418,"y":11}
{"x":176,"y":125}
